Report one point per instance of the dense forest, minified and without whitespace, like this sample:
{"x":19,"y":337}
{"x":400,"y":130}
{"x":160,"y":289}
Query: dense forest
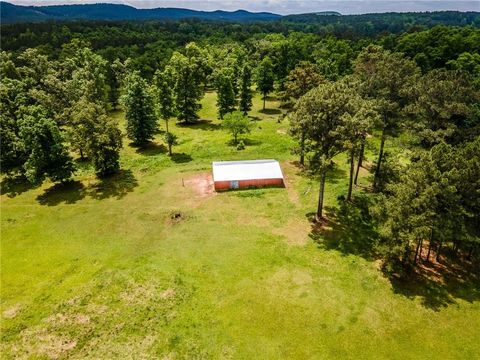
{"x":339,"y":82}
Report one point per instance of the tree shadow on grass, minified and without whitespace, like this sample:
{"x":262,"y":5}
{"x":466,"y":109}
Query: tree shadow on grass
{"x":246,"y":142}
{"x":349,"y":229}
{"x":271,"y":111}
{"x":440,"y":284}
{"x":336,"y":174}
{"x":202,"y":124}
{"x":251,"y":142}
{"x":15,"y":185}
{"x":114,"y":186}
{"x":66,"y":193}
{"x":152,"y":149}
{"x":181,"y":158}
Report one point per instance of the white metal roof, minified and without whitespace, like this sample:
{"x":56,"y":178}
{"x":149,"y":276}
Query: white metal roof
{"x":246,"y":170}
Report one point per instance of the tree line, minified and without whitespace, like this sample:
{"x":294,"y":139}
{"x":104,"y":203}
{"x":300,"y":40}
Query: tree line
{"x":433,"y":194}
{"x":53,"y":109}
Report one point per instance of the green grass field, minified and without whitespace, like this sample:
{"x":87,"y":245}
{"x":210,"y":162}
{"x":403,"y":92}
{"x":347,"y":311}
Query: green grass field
{"x":102,"y":270}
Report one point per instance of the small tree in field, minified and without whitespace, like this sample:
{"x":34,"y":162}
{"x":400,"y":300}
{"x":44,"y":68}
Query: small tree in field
{"x":237,"y":124}
{"x":171,"y":140}
{"x":139,"y":110}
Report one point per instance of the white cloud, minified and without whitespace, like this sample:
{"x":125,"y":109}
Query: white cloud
{"x":285,"y":6}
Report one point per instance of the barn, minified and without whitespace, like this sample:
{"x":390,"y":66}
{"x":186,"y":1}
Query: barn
{"x":246,"y":174}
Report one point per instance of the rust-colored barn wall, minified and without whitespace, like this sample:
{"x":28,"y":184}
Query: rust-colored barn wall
{"x":242,"y":184}
{"x":222,"y":185}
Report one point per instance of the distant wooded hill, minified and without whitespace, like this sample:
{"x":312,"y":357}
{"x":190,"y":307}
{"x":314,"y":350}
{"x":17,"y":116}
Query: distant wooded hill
{"x":11,"y":13}
{"x":320,"y":22}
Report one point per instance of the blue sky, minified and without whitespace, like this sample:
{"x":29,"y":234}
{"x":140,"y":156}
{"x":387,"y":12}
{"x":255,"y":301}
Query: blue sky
{"x":285,"y":6}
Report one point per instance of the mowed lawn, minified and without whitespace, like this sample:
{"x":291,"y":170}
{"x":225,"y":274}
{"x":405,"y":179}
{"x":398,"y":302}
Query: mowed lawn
{"x":153,"y":264}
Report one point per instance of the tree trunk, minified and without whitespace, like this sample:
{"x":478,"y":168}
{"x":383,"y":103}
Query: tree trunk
{"x":406,"y":255}
{"x":352,"y":169}
{"x":430,"y":245}
{"x":456,"y":246}
{"x":437,"y":258}
{"x":264,"y":98}
{"x":170,"y":149}
{"x":429,"y":249}
{"x":360,"y":161}
{"x":166,"y":124}
{"x":419,"y":245}
{"x":319,"y":215}
{"x":380,"y":158}
{"x":81,"y":154}
{"x":470,"y":252}
{"x":302,"y":149}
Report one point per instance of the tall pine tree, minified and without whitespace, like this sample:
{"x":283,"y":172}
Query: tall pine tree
{"x":245,"y":104}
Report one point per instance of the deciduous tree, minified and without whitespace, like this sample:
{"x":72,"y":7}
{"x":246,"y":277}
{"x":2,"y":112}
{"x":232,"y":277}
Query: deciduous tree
{"x":105,"y":145}
{"x":166,"y":102}
{"x":237,"y":124}
{"x":225,"y":95}
{"x":265,"y":78}
{"x":188,"y":86}
{"x":46,"y":155}
{"x":139,"y":110}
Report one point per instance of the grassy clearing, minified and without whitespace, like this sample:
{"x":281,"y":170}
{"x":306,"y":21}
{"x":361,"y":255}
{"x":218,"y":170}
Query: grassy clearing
{"x":100,"y":269}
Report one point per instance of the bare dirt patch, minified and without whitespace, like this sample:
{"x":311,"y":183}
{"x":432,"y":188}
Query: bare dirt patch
{"x":41,"y":343}
{"x":68,"y":319}
{"x":202,"y":184}
{"x":139,"y":294}
{"x":167,"y":294}
{"x":294,"y":282}
{"x":295,"y":232}
{"x":11,"y":312}
{"x":288,"y":173}
{"x":121,"y":347}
